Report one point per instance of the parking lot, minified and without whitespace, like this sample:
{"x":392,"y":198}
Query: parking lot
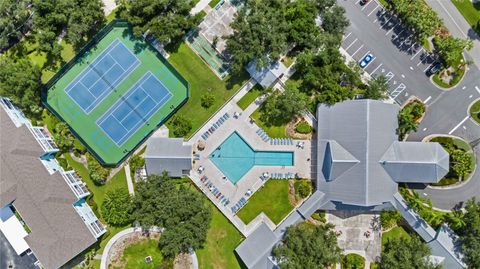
{"x":396,"y":53}
{"x":10,"y":259}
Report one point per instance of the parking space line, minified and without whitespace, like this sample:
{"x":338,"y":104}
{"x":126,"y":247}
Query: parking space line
{"x":351,"y":43}
{"x":428,"y":99}
{"x":458,"y":125}
{"x":357,"y":50}
{"x":403,"y":42}
{"x":365,"y":55}
{"x":376,"y":68}
{"x":389,"y":75}
{"x":416,"y":53}
{"x":372,"y":11}
{"x":356,"y":3}
{"x":428,"y":67}
{"x":478,"y":89}
{"x":389,"y":31}
{"x":345,"y":37}
{"x":366,"y":5}
{"x":398,"y":35}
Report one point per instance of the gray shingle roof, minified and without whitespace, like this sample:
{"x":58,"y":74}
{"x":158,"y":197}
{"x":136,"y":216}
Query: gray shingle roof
{"x":256,"y":248}
{"x":446,"y":245}
{"x":416,"y":162}
{"x":362,"y":133}
{"x":168,"y":154}
{"x":45,"y":201}
{"x":266,"y":76}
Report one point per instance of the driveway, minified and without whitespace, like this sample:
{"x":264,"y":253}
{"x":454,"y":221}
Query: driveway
{"x":404,"y":62}
{"x":10,"y":259}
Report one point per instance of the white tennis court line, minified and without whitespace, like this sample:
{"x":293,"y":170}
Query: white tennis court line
{"x":137,"y":85}
{"x":97,"y":60}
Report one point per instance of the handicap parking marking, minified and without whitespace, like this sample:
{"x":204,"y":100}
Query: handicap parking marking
{"x":389,"y":76}
{"x":397,"y":91}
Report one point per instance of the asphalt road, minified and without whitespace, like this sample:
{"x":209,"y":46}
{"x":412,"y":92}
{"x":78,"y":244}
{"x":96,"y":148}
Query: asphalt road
{"x":404,"y":62}
{"x":10,"y":259}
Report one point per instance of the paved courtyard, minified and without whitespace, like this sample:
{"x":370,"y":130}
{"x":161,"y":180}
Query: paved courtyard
{"x":352,"y":228}
{"x":216,"y":24}
{"x":252,"y":180}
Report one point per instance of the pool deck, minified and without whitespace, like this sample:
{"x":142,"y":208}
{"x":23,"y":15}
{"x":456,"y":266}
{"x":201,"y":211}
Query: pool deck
{"x":251,"y":180}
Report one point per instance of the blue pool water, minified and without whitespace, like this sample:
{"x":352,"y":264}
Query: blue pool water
{"x":234,"y":157}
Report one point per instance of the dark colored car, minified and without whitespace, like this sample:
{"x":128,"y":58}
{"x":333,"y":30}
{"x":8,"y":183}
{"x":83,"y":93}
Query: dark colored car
{"x":435,"y":68}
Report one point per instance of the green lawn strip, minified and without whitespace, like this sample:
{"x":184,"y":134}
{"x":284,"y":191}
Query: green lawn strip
{"x":272,"y":130}
{"x":470,"y":11}
{"x":397,"y":232}
{"x":251,"y":95}
{"x":98,"y":192}
{"x":271,"y":199}
{"x":222,"y":239}
{"x":459,"y":73}
{"x":201,"y":80}
{"x":213,"y":3}
{"x":134,"y":255}
{"x":288,"y":60}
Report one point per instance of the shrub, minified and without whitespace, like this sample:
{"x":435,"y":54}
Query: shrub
{"x":63,"y":137}
{"x":319,"y":216}
{"x":79,"y":147}
{"x":303,"y":188}
{"x":98,"y":174}
{"x":136,"y":162}
{"x":207,"y":100}
{"x":353,"y":261}
{"x":181,"y":125}
{"x":63,"y":163}
{"x":303,"y":127}
{"x":116,"y":207}
{"x":389,"y":218}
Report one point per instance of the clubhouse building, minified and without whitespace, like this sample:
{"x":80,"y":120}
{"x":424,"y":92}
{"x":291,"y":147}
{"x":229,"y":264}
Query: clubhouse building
{"x":43,"y":211}
{"x":359,"y":165}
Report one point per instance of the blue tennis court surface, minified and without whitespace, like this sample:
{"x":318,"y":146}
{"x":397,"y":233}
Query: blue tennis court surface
{"x":101,"y":76}
{"x":134,"y":108}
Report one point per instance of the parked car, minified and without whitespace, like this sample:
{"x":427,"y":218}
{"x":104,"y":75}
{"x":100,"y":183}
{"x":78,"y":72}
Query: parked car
{"x":364,"y":2}
{"x":435,"y":68}
{"x":366,"y":60}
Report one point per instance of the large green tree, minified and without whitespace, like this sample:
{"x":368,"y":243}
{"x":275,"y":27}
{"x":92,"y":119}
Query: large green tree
{"x":182,"y":211}
{"x":450,"y":49}
{"x":85,"y":19}
{"x":417,"y":15}
{"x":167,"y":20}
{"x":406,"y":254}
{"x":63,"y":137}
{"x":260,"y":32}
{"x":377,"y":88}
{"x":280,"y":107}
{"x":470,"y":234}
{"x":15,"y":21}
{"x":308,"y":246}
{"x":20,"y":81}
{"x":116,"y":208}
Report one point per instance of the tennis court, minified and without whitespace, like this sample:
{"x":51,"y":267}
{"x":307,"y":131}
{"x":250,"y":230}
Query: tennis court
{"x":101,"y":77}
{"x":134,"y":108}
{"x":115,"y":93}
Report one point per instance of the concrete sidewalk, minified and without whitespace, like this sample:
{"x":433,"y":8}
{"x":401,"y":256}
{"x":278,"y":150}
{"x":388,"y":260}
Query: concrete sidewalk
{"x":457,"y":25}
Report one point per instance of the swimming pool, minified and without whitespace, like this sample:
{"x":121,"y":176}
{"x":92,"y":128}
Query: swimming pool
{"x":234,"y":157}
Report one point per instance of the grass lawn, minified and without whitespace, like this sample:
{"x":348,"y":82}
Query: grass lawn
{"x":213,"y":3}
{"x":475,"y":111}
{"x":222,"y":239}
{"x":397,"y":232}
{"x":458,"y":75}
{"x":288,"y":60}
{"x":117,"y":181}
{"x":470,"y":11}
{"x":201,"y":80}
{"x":134,"y":256}
{"x":271,"y":199}
{"x":274,"y":131}
{"x":251,"y":95}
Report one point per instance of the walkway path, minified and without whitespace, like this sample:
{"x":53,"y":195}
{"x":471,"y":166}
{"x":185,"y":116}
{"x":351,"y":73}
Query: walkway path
{"x":199,"y":6}
{"x":131,"y":190}
{"x":104,"y":261}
